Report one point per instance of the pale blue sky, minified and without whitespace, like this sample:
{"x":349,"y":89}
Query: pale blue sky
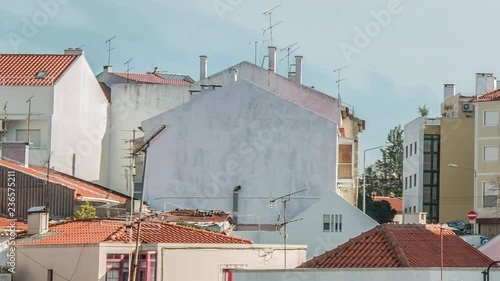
{"x":402,"y":65}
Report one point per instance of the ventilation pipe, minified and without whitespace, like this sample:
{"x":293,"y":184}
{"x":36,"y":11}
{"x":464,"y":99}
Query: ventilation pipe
{"x":203,"y":67}
{"x":272,"y":59}
{"x":234,"y":74}
{"x":298,"y":69}
{"x":235,"y":204}
{"x":449,"y":91}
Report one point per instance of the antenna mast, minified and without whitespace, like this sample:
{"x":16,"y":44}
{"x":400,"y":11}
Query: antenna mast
{"x":289,"y":52}
{"x":109,"y":48}
{"x":127,"y":64}
{"x":255,"y":51}
{"x":29,"y":116}
{"x":4,"y":125}
{"x":271,"y":25}
{"x":338,"y":70}
{"x":284,"y":199}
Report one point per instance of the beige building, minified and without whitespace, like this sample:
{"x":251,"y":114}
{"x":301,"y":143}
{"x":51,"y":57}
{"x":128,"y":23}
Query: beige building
{"x":486,"y":162}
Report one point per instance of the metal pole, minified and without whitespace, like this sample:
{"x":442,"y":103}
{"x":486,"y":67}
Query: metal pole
{"x":442,"y":251}
{"x":364,"y":181}
{"x":284,"y":228}
{"x":135,"y":266}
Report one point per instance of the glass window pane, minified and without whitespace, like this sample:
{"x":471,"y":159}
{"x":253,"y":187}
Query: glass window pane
{"x":435,"y":146}
{"x":427,"y":178}
{"x":490,"y":153}
{"x":428,"y":162}
{"x":435,"y":162}
{"x":427,"y":145}
{"x":326,"y":223}
{"x":490,"y":118}
{"x":427,"y":194}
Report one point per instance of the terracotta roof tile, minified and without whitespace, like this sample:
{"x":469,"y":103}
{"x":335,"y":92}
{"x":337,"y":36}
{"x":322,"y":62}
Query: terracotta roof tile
{"x":20,"y":69}
{"x":150,"y":78}
{"x":5,"y":223}
{"x":396,"y":203}
{"x":93,"y":231}
{"x":82,"y":188}
{"x":401,"y":246}
{"x":489,"y":96}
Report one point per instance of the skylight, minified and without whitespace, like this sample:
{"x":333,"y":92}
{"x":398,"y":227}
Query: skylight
{"x":41,"y":75}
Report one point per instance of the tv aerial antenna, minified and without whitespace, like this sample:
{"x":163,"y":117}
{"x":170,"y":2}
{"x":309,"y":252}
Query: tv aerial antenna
{"x":109,"y":48}
{"x":290,"y":50}
{"x":271,"y":25}
{"x":339,"y":80}
{"x":5,"y":121}
{"x":284,"y":199}
{"x":255,"y":43}
{"x":127,"y":64}
{"x":29,"y":115}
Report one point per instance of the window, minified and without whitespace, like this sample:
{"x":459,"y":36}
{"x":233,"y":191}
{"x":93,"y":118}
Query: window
{"x":410,"y":180}
{"x":414,"y":209}
{"x":415,"y":147}
{"x":147,"y":267}
{"x":490,"y":153}
{"x":406,"y":182}
{"x":34,"y":135}
{"x":411,"y":149}
{"x":41,"y":74}
{"x":406,"y":210}
{"x":490,"y":195}
{"x":227,"y":275}
{"x":406,"y":151}
{"x":50,"y":274}
{"x":117,"y":266}
{"x":332,"y":223}
{"x":415,"y":180}
{"x":490,"y":118}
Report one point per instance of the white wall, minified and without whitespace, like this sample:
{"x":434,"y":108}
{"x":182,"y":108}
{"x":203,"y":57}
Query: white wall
{"x":312,"y":99}
{"x":413,"y":131}
{"x":205,"y":262}
{"x":241,"y":135}
{"x":73,"y":262}
{"x":368,"y":274}
{"x":79,"y":121}
{"x":130,"y":105}
{"x":309,"y":230}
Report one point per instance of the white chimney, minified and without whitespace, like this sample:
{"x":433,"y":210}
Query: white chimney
{"x":298,"y":69}
{"x":485,"y":82}
{"x":71,"y":51}
{"x":108,"y":68}
{"x":449,"y":91}
{"x":234,"y":74}
{"x":203,"y":67}
{"x":17,"y":152}
{"x":38,"y":220}
{"x":272,"y":58}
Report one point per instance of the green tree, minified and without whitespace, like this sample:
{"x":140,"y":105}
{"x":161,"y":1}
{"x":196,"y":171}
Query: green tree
{"x":390,"y":167}
{"x":380,"y":211}
{"x":86,"y":211}
{"x":423,"y":110}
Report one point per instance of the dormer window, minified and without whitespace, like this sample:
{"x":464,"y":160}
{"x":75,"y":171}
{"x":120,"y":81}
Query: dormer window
{"x":41,"y":75}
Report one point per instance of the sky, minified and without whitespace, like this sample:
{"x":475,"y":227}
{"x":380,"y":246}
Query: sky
{"x":398,"y":53}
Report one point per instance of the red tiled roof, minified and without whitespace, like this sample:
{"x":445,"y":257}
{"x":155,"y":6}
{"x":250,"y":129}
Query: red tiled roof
{"x":106,"y":90}
{"x":396,"y":203}
{"x":150,"y":78}
{"x":490,"y":96}
{"x":93,"y":231}
{"x":406,"y":245}
{"x":81,"y":187}
{"x":5,"y":223}
{"x":20,"y":69}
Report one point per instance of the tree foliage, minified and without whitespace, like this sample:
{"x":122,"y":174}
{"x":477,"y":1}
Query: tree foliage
{"x":380,"y":211}
{"x":423,"y":110}
{"x":86,"y":211}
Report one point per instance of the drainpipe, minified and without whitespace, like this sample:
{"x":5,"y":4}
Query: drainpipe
{"x":235,"y":204}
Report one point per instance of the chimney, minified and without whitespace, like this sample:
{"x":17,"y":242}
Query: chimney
{"x":157,"y":70}
{"x":449,"y":91}
{"x":485,"y":82}
{"x":108,"y":68}
{"x":234,"y":75}
{"x":71,"y":51}
{"x":203,"y":67}
{"x":298,"y":69}
{"x":38,"y":220}
{"x":16,"y":152}
{"x":272,"y":58}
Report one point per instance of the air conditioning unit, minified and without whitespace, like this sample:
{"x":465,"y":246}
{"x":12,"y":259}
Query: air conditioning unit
{"x":468,"y":107}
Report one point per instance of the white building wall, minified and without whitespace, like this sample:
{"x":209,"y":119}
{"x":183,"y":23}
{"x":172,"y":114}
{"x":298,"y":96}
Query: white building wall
{"x":71,"y":262}
{"x":309,"y":230}
{"x":130,"y":105}
{"x":412,"y":196}
{"x":240,"y":135}
{"x":368,"y":274}
{"x":79,"y":122}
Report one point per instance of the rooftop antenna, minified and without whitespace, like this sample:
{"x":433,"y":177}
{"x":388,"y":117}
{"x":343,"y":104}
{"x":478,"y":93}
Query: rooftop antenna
{"x":271,"y":25}
{"x":289,"y":52}
{"x":4,"y":125}
{"x":29,"y":115}
{"x":255,"y":49}
{"x":47,"y":180}
{"x":130,"y":168}
{"x":109,"y":48}
{"x":284,"y":199}
{"x":127,"y":64}
{"x":338,"y":70}
{"x":81,"y":46}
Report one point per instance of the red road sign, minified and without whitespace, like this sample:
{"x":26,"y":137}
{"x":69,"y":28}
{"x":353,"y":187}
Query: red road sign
{"x":471,"y":215}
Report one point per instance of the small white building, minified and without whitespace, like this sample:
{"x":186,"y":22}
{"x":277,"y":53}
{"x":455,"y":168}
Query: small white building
{"x":133,"y":98}
{"x":55,"y":102}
